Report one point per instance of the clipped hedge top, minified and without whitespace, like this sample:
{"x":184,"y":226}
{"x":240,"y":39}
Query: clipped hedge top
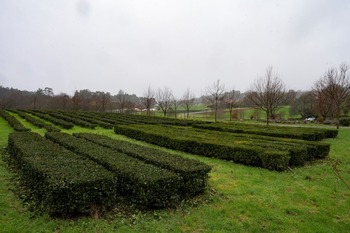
{"x":114,"y":161}
{"x":235,"y":140}
{"x":60,"y":165}
{"x":54,"y":120}
{"x":13,"y":122}
{"x":204,"y":136}
{"x":160,"y":158}
{"x":305,"y":133}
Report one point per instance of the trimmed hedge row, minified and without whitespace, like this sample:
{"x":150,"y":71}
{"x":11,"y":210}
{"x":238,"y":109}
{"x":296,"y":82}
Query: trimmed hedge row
{"x":73,"y":120}
{"x":62,"y":123}
{"x":37,"y":122}
{"x":61,"y":182}
{"x":193,"y":173}
{"x":112,"y":118}
{"x":143,"y":184}
{"x":301,"y":150}
{"x":92,"y":120}
{"x":251,"y":150}
{"x":344,"y":121}
{"x":13,"y":122}
{"x":269,"y":158}
{"x":155,"y":120}
{"x":304,"y":133}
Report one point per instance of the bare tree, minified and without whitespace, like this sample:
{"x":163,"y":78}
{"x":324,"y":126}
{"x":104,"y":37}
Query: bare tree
{"x":188,"y":101}
{"x":103,"y":99}
{"x":268,"y":93}
{"x":215,"y":96}
{"x":63,"y":99}
{"x":48,"y":91}
{"x":148,"y":100}
{"x":230,"y":100}
{"x":175,"y":103}
{"x":76,"y":101}
{"x":164,"y":99}
{"x":36,"y":98}
{"x":304,"y":105}
{"x":335,"y":89}
{"x":121,"y":100}
{"x":323,"y":105}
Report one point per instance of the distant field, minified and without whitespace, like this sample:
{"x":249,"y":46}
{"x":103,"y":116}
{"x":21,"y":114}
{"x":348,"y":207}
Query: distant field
{"x":241,"y":114}
{"x":312,"y":198}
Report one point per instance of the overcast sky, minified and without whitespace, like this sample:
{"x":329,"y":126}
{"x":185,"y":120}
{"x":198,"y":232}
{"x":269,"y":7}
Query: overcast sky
{"x":108,"y":45}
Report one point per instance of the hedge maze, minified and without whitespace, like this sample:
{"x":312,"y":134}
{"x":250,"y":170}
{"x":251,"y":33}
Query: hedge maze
{"x":193,"y":174}
{"x":84,"y":172}
{"x":61,"y":182}
{"x":144,"y":184}
{"x":309,"y":134}
{"x":267,"y":152}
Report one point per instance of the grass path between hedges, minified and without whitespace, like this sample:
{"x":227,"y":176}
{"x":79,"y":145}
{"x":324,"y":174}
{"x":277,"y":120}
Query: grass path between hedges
{"x":239,"y":199}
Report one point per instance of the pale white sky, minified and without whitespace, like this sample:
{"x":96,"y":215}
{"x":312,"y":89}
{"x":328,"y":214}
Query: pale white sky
{"x":107,"y":45}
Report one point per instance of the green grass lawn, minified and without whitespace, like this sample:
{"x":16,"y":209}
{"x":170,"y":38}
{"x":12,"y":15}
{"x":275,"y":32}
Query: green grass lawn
{"x":243,"y":114}
{"x":239,"y":199}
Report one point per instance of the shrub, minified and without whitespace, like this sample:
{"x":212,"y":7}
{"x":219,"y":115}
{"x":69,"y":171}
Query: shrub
{"x":37,"y":122}
{"x":73,"y":120}
{"x":194,"y":174}
{"x":304,"y":133}
{"x":61,"y":182}
{"x":87,"y":118}
{"x":184,"y":139}
{"x":143,"y":184}
{"x":344,"y":121}
{"x":13,"y":122}
{"x":62,"y":123}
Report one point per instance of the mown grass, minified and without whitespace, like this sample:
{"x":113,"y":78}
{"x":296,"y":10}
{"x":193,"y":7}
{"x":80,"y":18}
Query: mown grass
{"x":243,"y":114}
{"x":239,"y":199}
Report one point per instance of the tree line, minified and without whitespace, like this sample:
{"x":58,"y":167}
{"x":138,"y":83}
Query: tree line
{"x":329,"y":98}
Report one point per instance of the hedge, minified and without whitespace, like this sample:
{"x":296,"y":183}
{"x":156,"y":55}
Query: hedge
{"x":304,"y":133}
{"x":13,"y":122}
{"x":73,"y":120}
{"x":241,"y":148}
{"x":112,"y":118}
{"x":90,"y":119}
{"x":178,"y":140}
{"x":61,"y":183}
{"x":194,"y":174}
{"x":143,"y":184}
{"x":158,"y":120}
{"x":344,"y":121}
{"x":301,"y":150}
{"x":37,"y":122}
{"x":59,"y":122}
{"x":132,"y":119}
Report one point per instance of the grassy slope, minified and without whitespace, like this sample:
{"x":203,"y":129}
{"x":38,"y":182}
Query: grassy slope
{"x":243,"y":199}
{"x":245,"y":114}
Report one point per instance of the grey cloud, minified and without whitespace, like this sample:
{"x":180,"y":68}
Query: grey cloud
{"x":109,"y":45}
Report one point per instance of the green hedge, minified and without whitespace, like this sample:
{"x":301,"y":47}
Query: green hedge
{"x":301,"y":150}
{"x":194,"y":174}
{"x":73,"y":120}
{"x":90,"y":119}
{"x":117,"y":118}
{"x":157,"y":120}
{"x":304,"y":133}
{"x":344,"y":121}
{"x":59,"y":122}
{"x":242,"y":148}
{"x":37,"y":122}
{"x":143,"y":184}
{"x":13,"y":122}
{"x":61,"y":182}
{"x":181,"y":139}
